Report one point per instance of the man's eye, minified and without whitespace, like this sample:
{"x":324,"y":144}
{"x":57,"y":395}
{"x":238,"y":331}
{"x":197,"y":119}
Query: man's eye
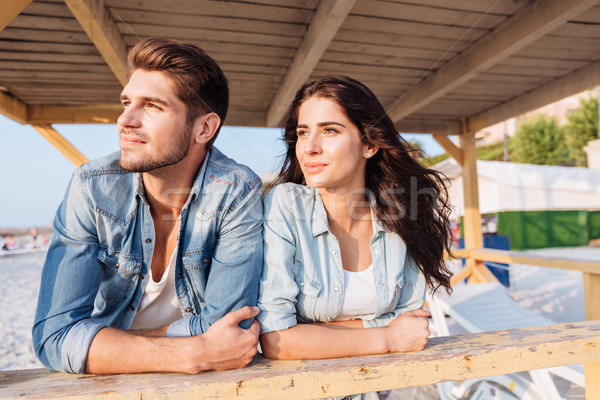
{"x":152,"y":105}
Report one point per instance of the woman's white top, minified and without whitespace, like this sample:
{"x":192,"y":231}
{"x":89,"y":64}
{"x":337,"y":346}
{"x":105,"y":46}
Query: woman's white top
{"x":159,"y":305}
{"x":360,"y":297}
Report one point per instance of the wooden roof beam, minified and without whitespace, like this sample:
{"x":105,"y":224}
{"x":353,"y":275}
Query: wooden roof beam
{"x":88,"y":114}
{"x":61,"y":144}
{"x":9,"y":9}
{"x":13,"y":108}
{"x":96,"y":20}
{"x":328,"y":18}
{"x":533,"y":22}
{"x":429,"y":125}
{"x":452,"y":150}
{"x":572,"y":83}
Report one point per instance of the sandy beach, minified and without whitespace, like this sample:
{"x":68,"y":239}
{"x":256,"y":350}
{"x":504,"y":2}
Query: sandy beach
{"x":554,"y":293}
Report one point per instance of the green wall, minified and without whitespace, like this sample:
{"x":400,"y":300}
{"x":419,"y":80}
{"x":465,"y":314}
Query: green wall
{"x":538,"y":229}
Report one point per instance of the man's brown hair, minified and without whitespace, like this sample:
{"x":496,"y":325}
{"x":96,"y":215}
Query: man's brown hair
{"x":198,"y":80}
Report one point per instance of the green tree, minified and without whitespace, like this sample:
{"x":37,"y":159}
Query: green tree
{"x":581,"y":128}
{"x":540,"y":140}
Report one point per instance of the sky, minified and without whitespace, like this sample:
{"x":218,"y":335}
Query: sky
{"x":34,"y":175}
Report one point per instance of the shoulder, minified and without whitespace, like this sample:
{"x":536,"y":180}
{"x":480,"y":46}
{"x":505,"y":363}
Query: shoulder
{"x":224,"y":172}
{"x":287,"y":193}
{"x":107,"y":165}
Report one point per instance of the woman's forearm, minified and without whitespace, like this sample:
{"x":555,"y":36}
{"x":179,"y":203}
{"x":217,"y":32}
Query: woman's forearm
{"x":324,"y":340}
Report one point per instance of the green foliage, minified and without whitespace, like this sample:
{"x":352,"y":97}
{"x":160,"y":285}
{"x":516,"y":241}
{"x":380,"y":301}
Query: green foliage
{"x":581,"y":128}
{"x":540,"y":140}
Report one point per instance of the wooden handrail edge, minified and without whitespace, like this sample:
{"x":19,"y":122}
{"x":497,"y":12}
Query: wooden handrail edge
{"x":448,"y":358}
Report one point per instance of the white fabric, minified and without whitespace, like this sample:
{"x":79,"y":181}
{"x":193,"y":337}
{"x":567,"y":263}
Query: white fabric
{"x":159,"y":305}
{"x":359,"y":294}
{"x":524,"y":187}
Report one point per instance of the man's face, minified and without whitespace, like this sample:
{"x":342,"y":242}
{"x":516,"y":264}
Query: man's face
{"x":153,"y":132}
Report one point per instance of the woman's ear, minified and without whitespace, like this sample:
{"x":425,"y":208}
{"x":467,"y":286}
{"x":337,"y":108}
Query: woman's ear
{"x":205,"y":127}
{"x":369,"y":150}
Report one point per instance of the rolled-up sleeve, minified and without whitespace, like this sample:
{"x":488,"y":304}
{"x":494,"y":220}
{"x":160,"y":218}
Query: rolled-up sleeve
{"x":412,"y":295}
{"x":278,"y":288}
{"x":63,"y":330}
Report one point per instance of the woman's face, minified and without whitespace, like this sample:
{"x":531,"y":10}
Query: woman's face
{"x":329,"y":148}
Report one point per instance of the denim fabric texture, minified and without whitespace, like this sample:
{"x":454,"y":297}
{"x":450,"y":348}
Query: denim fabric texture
{"x":96,"y":268}
{"x":303,"y":279}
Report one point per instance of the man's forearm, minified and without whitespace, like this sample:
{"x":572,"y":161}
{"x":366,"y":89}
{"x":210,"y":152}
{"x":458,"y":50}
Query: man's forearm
{"x":157,"y":332}
{"x":115,"y":351}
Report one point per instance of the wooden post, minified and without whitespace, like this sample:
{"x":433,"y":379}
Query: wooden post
{"x":591,"y":292}
{"x":472,"y":217}
{"x":61,"y":144}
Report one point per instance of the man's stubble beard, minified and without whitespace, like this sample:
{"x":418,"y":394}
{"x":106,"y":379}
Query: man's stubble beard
{"x":152,"y":162}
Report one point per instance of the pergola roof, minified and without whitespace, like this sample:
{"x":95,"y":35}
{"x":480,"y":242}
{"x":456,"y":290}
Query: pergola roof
{"x":439,"y":66}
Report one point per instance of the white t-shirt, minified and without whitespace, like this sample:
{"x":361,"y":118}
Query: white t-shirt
{"x":359,"y":294}
{"x":159,"y":305}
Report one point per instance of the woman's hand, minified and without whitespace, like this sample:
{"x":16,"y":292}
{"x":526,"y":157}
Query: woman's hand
{"x":408,"y":332}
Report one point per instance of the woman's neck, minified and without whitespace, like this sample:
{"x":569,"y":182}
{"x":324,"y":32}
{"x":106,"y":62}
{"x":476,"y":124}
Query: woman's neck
{"x":346,"y":208}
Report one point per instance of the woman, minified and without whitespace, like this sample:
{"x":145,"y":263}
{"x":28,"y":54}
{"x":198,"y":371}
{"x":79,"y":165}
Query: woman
{"x":355,"y":229}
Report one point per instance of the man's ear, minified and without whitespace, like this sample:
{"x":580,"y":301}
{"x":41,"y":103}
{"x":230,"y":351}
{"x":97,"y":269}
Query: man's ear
{"x":205,"y":127}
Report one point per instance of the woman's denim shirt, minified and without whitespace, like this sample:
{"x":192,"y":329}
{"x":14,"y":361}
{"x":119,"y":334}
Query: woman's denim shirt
{"x":97,"y":266}
{"x":303,"y":279}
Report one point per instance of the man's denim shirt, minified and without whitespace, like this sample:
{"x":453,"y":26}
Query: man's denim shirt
{"x":98,"y":262}
{"x":303,"y":279}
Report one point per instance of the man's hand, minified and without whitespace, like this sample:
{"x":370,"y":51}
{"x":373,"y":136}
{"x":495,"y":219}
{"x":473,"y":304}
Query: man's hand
{"x":408,"y":332}
{"x":225,"y":345}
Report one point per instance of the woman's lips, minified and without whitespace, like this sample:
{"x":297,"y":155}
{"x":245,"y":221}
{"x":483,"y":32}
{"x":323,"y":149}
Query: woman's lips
{"x":314,"y":167}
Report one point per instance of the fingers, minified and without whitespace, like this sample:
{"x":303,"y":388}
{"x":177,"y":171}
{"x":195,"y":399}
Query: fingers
{"x":254,"y":328}
{"x":235,"y":317}
{"x":419,"y":312}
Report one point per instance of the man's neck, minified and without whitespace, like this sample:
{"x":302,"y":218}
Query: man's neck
{"x":167,"y":189}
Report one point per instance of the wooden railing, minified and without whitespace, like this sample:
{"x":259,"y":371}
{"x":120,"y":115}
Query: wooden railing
{"x":450,"y":358}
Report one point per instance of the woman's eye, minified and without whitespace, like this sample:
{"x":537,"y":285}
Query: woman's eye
{"x":330,"y":131}
{"x":301,"y":133}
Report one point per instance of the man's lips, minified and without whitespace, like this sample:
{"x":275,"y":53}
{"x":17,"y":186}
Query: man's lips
{"x":131,"y":140}
{"x":314,"y":167}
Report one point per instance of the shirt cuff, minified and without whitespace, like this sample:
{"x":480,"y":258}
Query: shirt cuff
{"x":271,"y":321}
{"x":185,"y":327}
{"x":76,"y":345}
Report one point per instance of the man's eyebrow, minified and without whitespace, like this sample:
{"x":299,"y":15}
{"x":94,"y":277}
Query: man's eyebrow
{"x":148,"y":99}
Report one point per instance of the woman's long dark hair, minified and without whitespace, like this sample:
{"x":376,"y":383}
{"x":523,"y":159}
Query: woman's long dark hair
{"x":411,"y":200}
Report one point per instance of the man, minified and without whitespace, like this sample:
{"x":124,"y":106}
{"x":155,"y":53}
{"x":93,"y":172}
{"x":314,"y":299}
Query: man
{"x":157,"y":252}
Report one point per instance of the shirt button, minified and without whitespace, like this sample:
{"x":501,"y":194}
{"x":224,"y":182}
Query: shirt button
{"x":301,"y":283}
{"x":117,"y":265}
{"x":334,"y":252}
{"x":188,"y":309}
{"x":148,"y":240}
{"x":337,"y":288}
{"x":205,"y":260}
{"x":131,"y":308}
{"x":178,"y":276}
{"x":141,"y":276}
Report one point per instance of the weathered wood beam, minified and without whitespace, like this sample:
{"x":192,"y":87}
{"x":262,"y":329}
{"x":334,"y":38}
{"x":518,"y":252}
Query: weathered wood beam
{"x":328,"y":18}
{"x":60,"y":143}
{"x":572,"y":83}
{"x":9,"y":9}
{"x":513,"y":257}
{"x":449,"y":358}
{"x":533,"y":22}
{"x":89,"y":114}
{"x":96,"y":20}
{"x":428,"y":125}
{"x":450,"y":148}
{"x":13,"y":108}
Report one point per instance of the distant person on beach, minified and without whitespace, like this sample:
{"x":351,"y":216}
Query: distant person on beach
{"x":355,"y":230}
{"x":9,"y":243}
{"x":34,"y":235}
{"x":157,"y":251}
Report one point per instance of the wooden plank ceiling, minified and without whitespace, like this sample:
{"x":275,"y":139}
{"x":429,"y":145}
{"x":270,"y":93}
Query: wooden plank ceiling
{"x":432,"y":63}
